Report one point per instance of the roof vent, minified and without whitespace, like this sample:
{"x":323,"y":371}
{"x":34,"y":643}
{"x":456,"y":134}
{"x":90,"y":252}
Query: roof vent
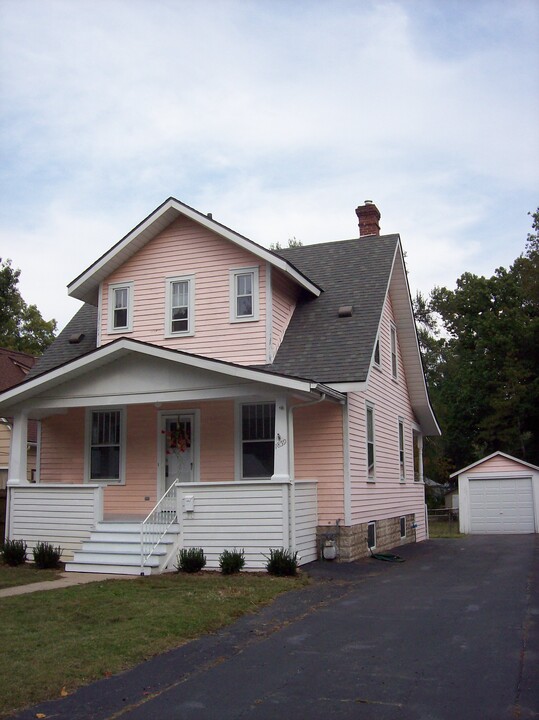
{"x":76,"y":338}
{"x":209,"y":216}
{"x":345,"y":311}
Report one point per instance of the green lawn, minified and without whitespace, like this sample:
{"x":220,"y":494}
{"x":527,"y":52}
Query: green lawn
{"x":24,"y":575}
{"x":444,"y":529}
{"x":57,"y":640}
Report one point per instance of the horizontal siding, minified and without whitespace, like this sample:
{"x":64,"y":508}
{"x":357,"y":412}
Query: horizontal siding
{"x":186,"y":248}
{"x":62,"y":448}
{"x":257,"y":515}
{"x":306,"y":521}
{"x":284,"y":298}
{"x":61,"y":516}
{"x":499,"y":465}
{"x":387,"y":496}
{"x":318,"y":441}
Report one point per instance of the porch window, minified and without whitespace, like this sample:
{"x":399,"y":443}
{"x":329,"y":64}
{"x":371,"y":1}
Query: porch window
{"x":401,"y":451}
{"x":244,"y":294}
{"x":370,"y":443}
{"x":180,"y":306}
{"x":257,"y":441}
{"x":105,"y":445}
{"x":121,"y":307}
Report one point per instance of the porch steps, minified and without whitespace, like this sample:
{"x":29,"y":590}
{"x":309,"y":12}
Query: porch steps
{"x":114,"y":548}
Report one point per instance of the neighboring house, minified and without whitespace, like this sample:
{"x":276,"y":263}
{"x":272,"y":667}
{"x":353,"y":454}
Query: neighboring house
{"x":14,"y":368}
{"x":498,"y":494}
{"x":230,"y":395}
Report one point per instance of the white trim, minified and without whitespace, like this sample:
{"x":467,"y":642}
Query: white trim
{"x":373,"y":523}
{"x":38,"y":452}
{"x":233,"y":274}
{"x":112,"y":288}
{"x":348,"y":387}
{"x":84,"y":287}
{"x":377,"y":345}
{"x":88,"y":439}
{"x":346,"y":457}
{"x":394,"y":351}
{"x":190,"y":280}
{"x":498,"y":453}
{"x":401,"y":518}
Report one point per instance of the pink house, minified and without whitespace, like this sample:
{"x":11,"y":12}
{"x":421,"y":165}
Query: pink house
{"x":212,"y":393}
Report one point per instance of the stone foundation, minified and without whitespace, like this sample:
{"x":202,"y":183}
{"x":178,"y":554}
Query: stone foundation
{"x":351,"y":541}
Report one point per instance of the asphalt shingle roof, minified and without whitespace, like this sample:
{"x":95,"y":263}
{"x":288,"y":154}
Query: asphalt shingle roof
{"x":319,"y":344}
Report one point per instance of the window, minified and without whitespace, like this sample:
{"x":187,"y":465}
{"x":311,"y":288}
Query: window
{"x":403,"y":526}
{"x":120,"y":307}
{"x":377,"y":352}
{"x":244,"y":294}
{"x":105,"y":445}
{"x":180,"y":306}
{"x":401,"y":451}
{"x":371,"y":534}
{"x":257,"y":440}
{"x":370,"y":443}
{"x":418,"y":452}
{"x":394,"y":352}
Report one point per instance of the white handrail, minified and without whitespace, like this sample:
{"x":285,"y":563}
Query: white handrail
{"x":155,"y":526}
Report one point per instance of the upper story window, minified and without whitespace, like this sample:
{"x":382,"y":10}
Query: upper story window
{"x":244,"y":294}
{"x":257,"y":440}
{"x":106,"y":441}
{"x":121,"y":307}
{"x":394,"y":366}
{"x":377,"y":353}
{"x":370,"y":442}
{"x":401,"y":451}
{"x":180,"y":311}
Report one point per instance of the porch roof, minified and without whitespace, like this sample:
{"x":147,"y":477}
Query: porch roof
{"x":148,"y":373}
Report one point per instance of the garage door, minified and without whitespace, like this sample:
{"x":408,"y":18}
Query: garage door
{"x":501,"y":506}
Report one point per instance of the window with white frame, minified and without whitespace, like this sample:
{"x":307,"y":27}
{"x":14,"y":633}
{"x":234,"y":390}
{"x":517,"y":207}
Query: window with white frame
{"x":105,"y":445}
{"x":244,"y":294}
{"x":370,"y":442}
{"x":402,"y":468}
{"x":180,"y":314}
{"x":371,"y":534}
{"x":394,"y":365}
{"x":377,"y":353}
{"x":417,"y":453}
{"x":120,"y":307}
{"x":403,"y":526}
{"x":257,"y":440}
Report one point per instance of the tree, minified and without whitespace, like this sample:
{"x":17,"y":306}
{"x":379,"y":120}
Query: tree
{"x":293,"y":242}
{"x":483,"y":368}
{"x":21,"y":326}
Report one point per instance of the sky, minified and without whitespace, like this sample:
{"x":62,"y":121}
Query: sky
{"x":278,"y":117}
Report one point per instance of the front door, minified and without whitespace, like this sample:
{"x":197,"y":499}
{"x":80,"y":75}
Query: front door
{"x":177,"y":448}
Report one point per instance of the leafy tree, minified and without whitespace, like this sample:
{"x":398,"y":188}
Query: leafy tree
{"x":21,"y":326}
{"x":482,"y":365}
{"x":293,"y":242}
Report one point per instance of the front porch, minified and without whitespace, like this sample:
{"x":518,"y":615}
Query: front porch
{"x":251,"y":516}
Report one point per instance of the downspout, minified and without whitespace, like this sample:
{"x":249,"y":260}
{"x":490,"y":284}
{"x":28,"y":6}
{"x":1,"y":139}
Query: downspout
{"x":291,"y":466}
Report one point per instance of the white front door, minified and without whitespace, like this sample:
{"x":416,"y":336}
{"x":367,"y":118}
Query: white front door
{"x":177,"y":449}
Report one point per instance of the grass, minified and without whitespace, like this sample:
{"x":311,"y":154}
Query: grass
{"x":57,"y":640}
{"x":24,"y":575}
{"x":444,"y":529}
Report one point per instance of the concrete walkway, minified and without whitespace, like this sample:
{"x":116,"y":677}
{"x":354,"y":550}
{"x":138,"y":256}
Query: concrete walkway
{"x":67,"y":580}
{"x":451,"y":634}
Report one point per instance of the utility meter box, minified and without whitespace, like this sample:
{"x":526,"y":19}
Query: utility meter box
{"x":189,"y":503}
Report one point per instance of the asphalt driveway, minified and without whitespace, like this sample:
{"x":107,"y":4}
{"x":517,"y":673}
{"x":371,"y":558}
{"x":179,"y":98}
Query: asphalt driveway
{"x":451,"y":634}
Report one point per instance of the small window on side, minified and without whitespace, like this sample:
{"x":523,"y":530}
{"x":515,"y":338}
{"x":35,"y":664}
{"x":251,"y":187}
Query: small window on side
{"x":370,"y":444}
{"x":394,"y":364}
{"x":371,"y":534}
{"x":403,"y":526}
{"x":244,"y":295}
{"x":180,"y":312}
{"x":402,"y":466}
{"x":120,"y":307}
{"x":377,"y":353}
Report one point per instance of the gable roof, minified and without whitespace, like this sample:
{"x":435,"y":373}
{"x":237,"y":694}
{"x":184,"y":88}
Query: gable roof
{"x":498,"y":453}
{"x":85,"y":287}
{"x":14,"y":367}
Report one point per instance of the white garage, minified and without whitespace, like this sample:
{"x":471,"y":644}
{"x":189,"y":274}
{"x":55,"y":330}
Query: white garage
{"x":499,"y":494}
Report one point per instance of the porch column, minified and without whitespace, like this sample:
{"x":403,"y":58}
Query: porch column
{"x":18,"y":456}
{"x":281,"y":468}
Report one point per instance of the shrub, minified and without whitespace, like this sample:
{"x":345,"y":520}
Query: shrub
{"x":282,"y":562}
{"x":14,"y":552}
{"x":231,"y":561}
{"x":46,"y":555}
{"x":190,"y":560}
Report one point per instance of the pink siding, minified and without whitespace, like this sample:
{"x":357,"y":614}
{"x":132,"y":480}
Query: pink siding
{"x":499,"y":464}
{"x":285,"y":294}
{"x":217,"y":441}
{"x":387,"y":496}
{"x":318,"y":438}
{"x":186,"y":248}
{"x":62,"y":448}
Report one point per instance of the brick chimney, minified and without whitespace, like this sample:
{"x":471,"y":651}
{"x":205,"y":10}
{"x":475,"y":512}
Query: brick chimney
{"x":369,"y":219}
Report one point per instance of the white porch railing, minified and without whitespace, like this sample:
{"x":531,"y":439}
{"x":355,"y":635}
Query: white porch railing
{"x":156,"y":525}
